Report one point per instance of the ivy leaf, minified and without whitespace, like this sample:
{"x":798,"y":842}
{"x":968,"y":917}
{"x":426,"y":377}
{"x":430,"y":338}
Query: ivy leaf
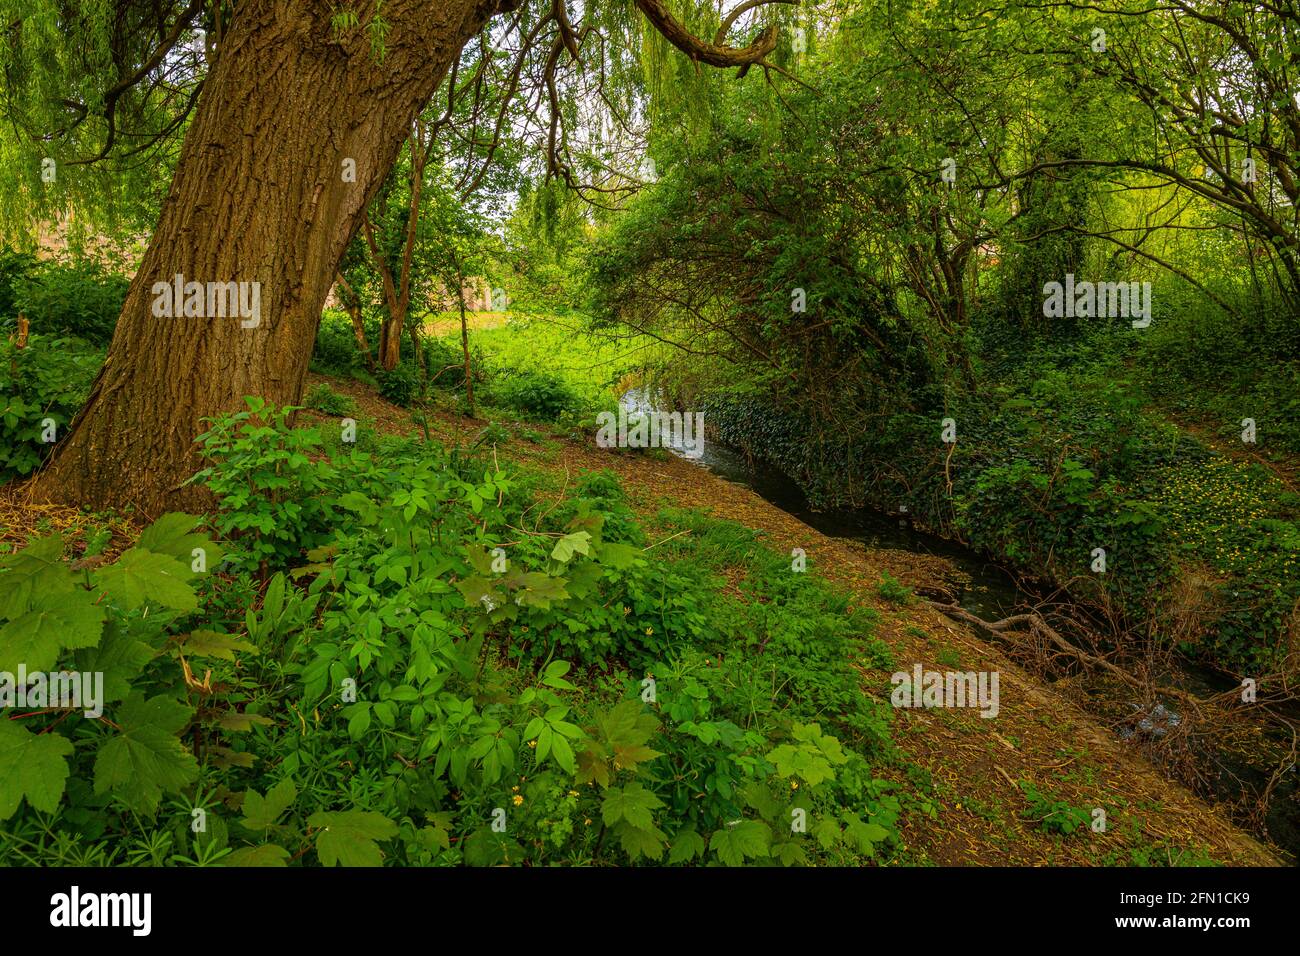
{"x":146,"y":758}
{"x":687,"y":845}
{"x":747,"y":839}
{"x":262,"y":812}
{"x":37,"y":569}
{"x":348,"y":838}
{"x":140,"y":576}
{"x":33,"y":767}
{"x":57,"y":622}
{"x":632,"y":803}
{"x":269,"y":854}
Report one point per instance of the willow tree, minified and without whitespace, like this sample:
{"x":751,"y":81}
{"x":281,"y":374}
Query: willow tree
{"x":291,"y":114}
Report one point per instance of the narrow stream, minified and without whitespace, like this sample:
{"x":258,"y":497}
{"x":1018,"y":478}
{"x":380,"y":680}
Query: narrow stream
{"x":990,"y":592}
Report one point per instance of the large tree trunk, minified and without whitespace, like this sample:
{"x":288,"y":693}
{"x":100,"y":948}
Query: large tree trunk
{"x":259,"y":195}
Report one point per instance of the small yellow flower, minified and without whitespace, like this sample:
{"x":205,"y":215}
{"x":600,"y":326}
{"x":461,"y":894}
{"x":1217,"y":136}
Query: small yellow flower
{"x":514,"y":789}
{"x":518,"y":799}
{"x":573,"y":793}
{"x":532,"y":743}
{"x":794,"y":784}
{"x":587,"y":822}
{"x":649,"y":631}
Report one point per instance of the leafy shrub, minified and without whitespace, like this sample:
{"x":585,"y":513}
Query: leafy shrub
{"x":357,"y":708}
{"x":1052,"y":814}
{"x":268,"y":487}
{"x":42,"y":386}
{"x":79,"y":298}
{"x":325,"y":399}
{"x":14,"y":266}
{"x":893,"y":590}
{"x":537,"y":395}
{"x":336,"y":352}
{"x":400,"y":385}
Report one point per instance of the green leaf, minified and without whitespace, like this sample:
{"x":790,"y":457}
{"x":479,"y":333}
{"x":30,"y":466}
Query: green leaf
{"x":617,"y":555}
{"x":864,"y":835}
{"x":262,"y":812}
{"x":540,"y":590}
{"x":146,"y":759}
{"x":56,"y":623}
{"x":33,"y":767}
{"x":687,"y":845}
{"x":563,"y":753}
{"x":269,"y":854}
{"x":348,"y":838}
{"x":37,"y":569}
{"x":140,"y":576}
{"x":746,"y":840}
{"x":211,"y":644}
{"x":173,"y":535}
{"x":640,"y":841}
{"x":632,"y":803}
{"x":119,"y":656}
{"x":827,"y":832}
{"x":578,"y":542}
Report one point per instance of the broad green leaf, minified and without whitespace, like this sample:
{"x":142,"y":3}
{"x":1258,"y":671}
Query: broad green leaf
{"x":576,"y":542}
{"x":262,"y":812}
{"x":33,"y":767}
{"x":348,"y":838}
{"x":173,"y":535}
{"x":212,"y":644}
{"x":57,"y":622}
{"x":617,"y":555}
{"x":269,"y":854}
{"x":640,"y":841}
{"x":632,"y":803}
{"x":119,"y":656}
{"x":36,"y":570}
{"x":540,"y":590}
{"x":563,"y":753}
{"x":746,"y":840}
{"x":140,"y":576}
{"x":146,"y":759}
{"x":686,"y":845}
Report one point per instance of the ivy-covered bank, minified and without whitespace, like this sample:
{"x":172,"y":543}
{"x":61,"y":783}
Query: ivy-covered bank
{"x":1065,"y":469}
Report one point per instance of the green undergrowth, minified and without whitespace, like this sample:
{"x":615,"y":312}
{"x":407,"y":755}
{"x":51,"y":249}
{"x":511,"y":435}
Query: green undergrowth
{"x":1065,"y":467}
{"x":407,"y":656}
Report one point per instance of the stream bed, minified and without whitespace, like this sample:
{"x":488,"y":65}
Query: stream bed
{"x":989,"y":591}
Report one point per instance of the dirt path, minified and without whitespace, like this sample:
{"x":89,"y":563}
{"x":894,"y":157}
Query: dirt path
{"x":975,"y":764}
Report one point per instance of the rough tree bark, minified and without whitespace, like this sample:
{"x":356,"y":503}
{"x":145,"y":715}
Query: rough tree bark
{"x":259,"y":195}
